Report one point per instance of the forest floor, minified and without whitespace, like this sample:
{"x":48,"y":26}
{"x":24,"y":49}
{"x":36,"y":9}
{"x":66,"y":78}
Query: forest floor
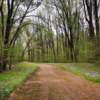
{"x":54,"y":83}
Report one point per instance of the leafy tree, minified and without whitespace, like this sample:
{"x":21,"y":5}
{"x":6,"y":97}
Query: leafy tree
{"x":17,"y":11}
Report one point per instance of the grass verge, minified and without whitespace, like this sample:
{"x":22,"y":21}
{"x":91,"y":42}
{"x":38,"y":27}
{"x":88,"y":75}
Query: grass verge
{"x":90,"y":71}
{"x":11,"y":80}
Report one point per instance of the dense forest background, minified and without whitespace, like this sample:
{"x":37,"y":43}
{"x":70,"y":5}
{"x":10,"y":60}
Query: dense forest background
{"x":49,"y":31}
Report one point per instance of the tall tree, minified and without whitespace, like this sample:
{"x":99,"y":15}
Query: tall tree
{"x":14,"y":17}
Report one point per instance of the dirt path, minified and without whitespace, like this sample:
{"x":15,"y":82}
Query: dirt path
{"x":53,"y":83}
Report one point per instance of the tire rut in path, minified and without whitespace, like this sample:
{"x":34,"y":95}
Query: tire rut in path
{"x":53,"y":83}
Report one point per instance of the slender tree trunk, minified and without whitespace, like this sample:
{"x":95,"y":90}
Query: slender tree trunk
{"x":57,"y":44}
{"x":97,"y":44}
{"x":53,"y":45}
{"x":5,"y":56}
{"x":28,"y":53}
{"x":2,"y":54}
{"x":2,"y":36}
{"x":71,"y":44}
{"x":11,"y":56}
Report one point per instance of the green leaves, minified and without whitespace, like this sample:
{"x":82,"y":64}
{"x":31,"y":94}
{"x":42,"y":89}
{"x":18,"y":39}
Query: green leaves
{"x":31,"y":3}
{"x":38,"y":4}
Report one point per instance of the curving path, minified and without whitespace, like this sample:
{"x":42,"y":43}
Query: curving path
{"x":53,"y":83}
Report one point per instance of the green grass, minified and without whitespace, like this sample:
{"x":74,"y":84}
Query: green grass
{"x":90,"y":71}
{"x":10,"y":80}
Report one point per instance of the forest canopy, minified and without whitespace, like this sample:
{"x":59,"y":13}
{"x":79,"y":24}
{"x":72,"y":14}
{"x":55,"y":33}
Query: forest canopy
{"x":49,"y":31}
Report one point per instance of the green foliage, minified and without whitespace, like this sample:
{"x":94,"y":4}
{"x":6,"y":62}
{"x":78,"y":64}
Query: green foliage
{"x":97,"y":63}
{"x":38,"y":4}
{"x":49,"y":41}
